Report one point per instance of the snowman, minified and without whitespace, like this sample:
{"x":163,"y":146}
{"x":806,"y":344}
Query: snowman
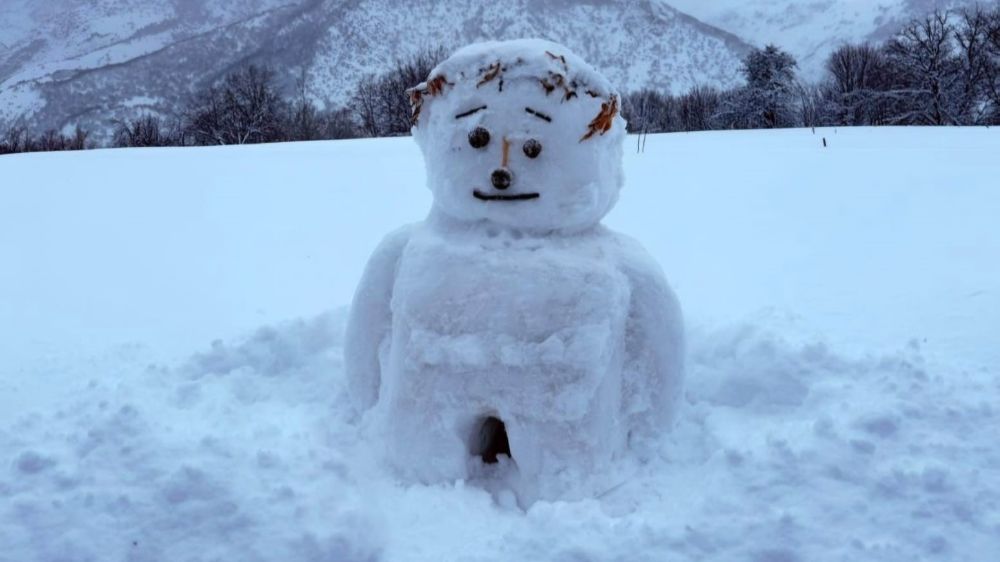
{"x":510,"y":331}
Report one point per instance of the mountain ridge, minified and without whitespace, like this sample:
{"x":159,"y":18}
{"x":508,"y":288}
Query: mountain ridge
{"x":165,"y":51}
{"x":810,"y":31}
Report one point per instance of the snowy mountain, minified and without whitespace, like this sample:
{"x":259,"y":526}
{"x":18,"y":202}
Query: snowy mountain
{"x":811,"y":30}
{"x":90,"y":61}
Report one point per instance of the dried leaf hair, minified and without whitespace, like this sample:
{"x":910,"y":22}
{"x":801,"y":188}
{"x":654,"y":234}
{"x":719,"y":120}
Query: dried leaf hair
{"x":604,"y":120}
{"x":600,"y":125}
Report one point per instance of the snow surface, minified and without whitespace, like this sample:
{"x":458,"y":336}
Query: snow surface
{"x":842,"y":373}
{"x":521,"y":312}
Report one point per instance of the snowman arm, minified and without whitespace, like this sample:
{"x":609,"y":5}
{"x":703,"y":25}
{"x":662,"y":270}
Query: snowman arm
{"x":369,"y":323}
{"x":654,"y":343}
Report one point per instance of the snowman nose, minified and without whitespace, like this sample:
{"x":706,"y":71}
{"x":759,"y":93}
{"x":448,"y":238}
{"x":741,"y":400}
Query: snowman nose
{"x":501,"y":178}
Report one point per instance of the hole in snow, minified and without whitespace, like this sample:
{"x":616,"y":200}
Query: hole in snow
{"x":492,"y":440}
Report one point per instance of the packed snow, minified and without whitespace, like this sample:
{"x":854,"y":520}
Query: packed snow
{"x":510,"y":328}
{"x":171,"y":380}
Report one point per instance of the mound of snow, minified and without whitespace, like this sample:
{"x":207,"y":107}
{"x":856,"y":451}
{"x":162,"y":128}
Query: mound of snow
{"x":245,"y":451}
{"x":842,"y":367}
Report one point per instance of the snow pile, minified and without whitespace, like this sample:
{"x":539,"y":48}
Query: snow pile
{"x":510,"y":328}
{"x":842,"y":367}
{"x":241,"y":453}
{"x":193,"y":462}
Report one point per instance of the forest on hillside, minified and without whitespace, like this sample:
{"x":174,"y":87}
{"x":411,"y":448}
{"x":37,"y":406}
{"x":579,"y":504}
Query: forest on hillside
{"x":943,"y":69}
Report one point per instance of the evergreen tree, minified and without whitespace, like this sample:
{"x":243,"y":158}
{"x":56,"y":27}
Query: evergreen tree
{"x":768,"y":99}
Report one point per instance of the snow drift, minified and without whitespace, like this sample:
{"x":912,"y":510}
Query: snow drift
{"x":842,"y":364}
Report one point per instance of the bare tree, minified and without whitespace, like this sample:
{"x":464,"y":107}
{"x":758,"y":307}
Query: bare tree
{"x":366,"y":106}
{"x":648,"y":111}
{"x":49,"y":141}
{"x":857,"y":80}
{"x":304,"y":120}
{"x":206,"y":119}
{"x":925,"y":72}
{"x":144,"y":131}
{"x":991,"y":66}
{"x":697,"y":110}
{"x":339,"y":124}
{"x":975,"y":65}
{"x":814,"y":105}
{"x":382,"y":106}
{"x":78,"y":141}
{"x":14,"y":140}
{"x":244,"y":109}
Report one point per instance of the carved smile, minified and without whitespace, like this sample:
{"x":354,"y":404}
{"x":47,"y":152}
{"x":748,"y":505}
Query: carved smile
{"x":505,"y":197}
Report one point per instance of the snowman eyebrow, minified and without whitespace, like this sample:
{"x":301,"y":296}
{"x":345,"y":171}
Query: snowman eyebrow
{"x":538,"y":114}
{"x":470,"y":112}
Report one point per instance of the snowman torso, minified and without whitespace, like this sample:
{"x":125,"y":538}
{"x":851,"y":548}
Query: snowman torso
{"x":498,"y":323}
{"x":469,"y":339}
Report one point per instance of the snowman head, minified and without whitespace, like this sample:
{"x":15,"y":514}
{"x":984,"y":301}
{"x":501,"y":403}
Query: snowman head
{"x":522,"y":134}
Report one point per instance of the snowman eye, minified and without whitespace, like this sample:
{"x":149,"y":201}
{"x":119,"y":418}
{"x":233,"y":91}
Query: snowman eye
{"x":479,"y":138}
{"x":532,"y":148}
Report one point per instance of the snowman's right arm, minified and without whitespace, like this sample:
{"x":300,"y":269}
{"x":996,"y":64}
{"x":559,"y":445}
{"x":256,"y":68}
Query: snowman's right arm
{"x":369,"y":323}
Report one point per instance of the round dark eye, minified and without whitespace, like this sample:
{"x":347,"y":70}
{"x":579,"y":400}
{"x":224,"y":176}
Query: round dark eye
{"x":479,"y":137}
{"x":532,"y":148}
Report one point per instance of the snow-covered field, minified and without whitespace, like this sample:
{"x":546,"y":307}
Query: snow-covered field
{"x":170,"y":361}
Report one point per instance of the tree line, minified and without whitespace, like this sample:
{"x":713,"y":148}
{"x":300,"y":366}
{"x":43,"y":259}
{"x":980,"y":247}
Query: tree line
{"x":249,"y":106}
{"x":943,"y":69}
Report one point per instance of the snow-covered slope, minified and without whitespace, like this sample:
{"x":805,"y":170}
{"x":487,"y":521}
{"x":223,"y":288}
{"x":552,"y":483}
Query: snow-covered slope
{"x":842,"y":382}
{"x":51,"y":50}
{"x":811,"y":30}
{"x":77,"y":61}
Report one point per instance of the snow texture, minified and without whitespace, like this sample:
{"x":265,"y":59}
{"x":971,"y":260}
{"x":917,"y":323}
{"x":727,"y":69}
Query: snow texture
{"x":511,"y":302}
{"x":840,"y":404}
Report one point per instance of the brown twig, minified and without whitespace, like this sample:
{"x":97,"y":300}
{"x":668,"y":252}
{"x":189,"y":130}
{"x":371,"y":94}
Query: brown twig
{"x":560,"y":58}
{"x":431,"y":87}
{"x":604,"y":120}
{"x":490,"y":73}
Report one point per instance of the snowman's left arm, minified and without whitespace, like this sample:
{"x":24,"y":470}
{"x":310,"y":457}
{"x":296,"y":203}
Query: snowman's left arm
{"x":654,"y":342}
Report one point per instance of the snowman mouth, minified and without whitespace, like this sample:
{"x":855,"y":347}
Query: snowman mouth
{"x":505,"y":196}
